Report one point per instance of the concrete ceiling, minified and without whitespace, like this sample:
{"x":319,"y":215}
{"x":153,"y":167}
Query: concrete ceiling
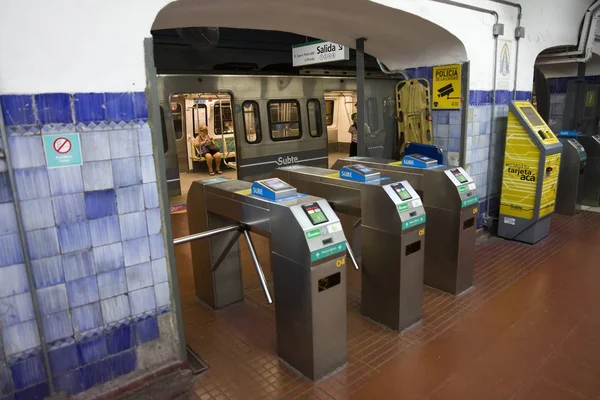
{"x":399,"y":39}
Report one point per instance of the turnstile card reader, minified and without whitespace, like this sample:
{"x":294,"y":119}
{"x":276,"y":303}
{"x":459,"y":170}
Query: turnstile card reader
{"x":591,"y":176}
{"x":307,"y":251}
{"x":570,"y":179}
{"x":392,"y":221}
{"x":358,"y":173}
{"x":451,"y":202}
{"x":427,"y":150}
{"x":530,"y":175}
{"x":419,"y":161}
{"x":273,"y":189}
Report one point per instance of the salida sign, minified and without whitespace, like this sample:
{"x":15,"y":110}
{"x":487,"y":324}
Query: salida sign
{"x":446,"y":87}
{"x":318,"y":52}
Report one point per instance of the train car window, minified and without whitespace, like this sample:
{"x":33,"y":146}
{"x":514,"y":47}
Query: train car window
{"x":372,"y":114}
{"x":284,"y":119}
{"x":177,"y":120}
{"x":198,"y":118}
{"x":329,"y":106}
{"x":313,"y":107}
{"x":224,"y":118}
{"x":163,"y":126}
{"x":252,"y":127}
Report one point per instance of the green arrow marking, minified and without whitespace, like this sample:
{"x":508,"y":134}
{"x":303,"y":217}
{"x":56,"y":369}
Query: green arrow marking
{"x":413,"y":222}
{"x":471,"y":201}
{"x":327,"y":251}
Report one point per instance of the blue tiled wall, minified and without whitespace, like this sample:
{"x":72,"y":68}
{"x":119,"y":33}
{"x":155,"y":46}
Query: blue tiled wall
{"x":447,"y":134}
{"x":95,"y":238}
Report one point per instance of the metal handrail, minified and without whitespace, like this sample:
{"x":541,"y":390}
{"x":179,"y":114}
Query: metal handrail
{"x":203,"y":235}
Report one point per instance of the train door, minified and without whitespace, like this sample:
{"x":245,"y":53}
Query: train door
{"x":339,"y":107}
{"x":178,"y":111}
{"x":224,"y":128}
{"x":413,"y":113}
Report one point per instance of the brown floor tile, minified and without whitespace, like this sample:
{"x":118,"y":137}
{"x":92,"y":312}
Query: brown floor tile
{"x":542,"y":389}
{"x":573,"y":375}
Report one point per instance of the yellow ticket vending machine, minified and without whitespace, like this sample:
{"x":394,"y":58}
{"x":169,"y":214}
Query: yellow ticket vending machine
{"x":530,"y":175}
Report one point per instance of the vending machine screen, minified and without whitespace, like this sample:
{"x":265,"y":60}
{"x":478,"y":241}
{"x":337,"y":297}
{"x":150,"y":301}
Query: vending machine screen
{"x":459,"y":176}
{"x":315,"y":214}
{"x":401,"y":192}
{"x":532,"y":116}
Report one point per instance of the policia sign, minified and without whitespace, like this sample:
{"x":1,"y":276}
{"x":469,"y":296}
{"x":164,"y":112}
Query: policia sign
{"x":446,"y":87}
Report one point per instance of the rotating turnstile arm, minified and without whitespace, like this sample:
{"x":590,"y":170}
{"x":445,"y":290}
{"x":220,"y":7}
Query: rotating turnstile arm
{"x":259,"y":271}
{"x":225,"y":251}
{"x":351,"y":254}
{"x":203,"y":235}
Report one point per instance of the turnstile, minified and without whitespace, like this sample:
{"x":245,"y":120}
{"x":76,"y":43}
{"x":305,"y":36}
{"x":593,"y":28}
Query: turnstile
{"x":591,"y":176}
{"x":308,"y":249}
{"x":393,"y":236}
{"x":529,"y":176}
{"x":569,"y":194}
{"x":450,"y":199}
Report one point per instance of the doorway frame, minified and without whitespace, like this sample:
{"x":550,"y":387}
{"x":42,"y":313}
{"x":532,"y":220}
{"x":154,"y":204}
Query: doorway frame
{"x":155,"y":124}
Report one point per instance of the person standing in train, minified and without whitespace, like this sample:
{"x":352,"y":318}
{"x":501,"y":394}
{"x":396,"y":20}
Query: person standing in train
{"x":354,"y":132}
{"x":209,"y":150}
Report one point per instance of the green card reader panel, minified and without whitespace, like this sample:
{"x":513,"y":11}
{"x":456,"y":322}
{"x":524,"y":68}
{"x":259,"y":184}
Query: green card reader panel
{"x":408,"y":203}
{"x":580,"y":150}
{"x":322,"y":229}
{"x":314,"y":213}
{"x":465,"y":185}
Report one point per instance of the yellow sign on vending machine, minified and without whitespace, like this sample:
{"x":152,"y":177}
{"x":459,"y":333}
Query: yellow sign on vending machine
{"x":446,"y":87}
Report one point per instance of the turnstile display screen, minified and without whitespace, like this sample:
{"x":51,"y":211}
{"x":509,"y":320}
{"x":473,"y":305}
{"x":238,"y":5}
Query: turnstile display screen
{"x":459,"y":176}
{"x":276,"y":184}
{"x":532,"y":116}
{"x":422,"y":157}
{"x":362,"y":169}
{"x":315,"y":214}
{"x":401,"y":192}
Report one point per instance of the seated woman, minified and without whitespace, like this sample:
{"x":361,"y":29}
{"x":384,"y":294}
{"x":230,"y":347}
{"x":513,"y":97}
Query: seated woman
{"x":208,"y":149}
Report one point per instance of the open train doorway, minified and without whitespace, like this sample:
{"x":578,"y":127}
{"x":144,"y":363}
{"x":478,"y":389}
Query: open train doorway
{"x":339,"y":108}
{"x":190,"y":114}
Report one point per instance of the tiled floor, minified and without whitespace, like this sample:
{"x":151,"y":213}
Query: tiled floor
{"x":527,"y":330}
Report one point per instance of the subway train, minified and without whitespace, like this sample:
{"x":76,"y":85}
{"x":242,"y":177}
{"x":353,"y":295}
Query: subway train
{"x":263,"y":122}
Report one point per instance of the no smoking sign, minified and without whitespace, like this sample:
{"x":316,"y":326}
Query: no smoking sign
{"x":62,"y":150}
{"x":62,"y":145}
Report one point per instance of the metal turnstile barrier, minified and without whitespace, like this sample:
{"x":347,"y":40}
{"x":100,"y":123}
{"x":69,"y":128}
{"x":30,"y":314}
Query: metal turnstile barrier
{"x":450,"y":199}
{"x":569,"y":194}
{"x":591,"y":176}
{"x":393,"y":236}
{"x":307,"y":251}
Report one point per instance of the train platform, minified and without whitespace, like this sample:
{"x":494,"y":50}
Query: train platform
{"x":528,"y":329}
